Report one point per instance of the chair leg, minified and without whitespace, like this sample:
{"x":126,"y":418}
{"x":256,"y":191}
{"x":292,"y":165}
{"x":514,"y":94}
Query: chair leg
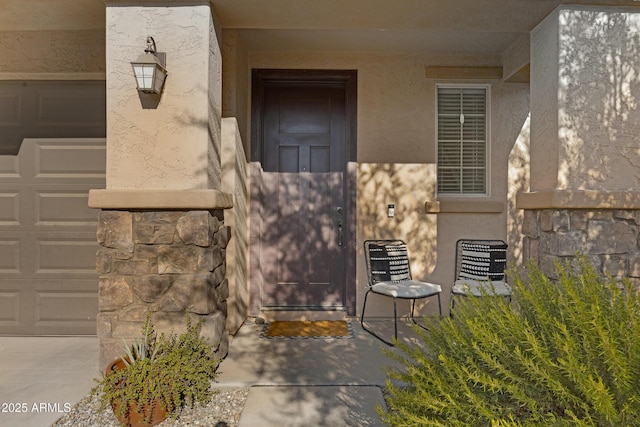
{"x":413,"y":306}
{"x":413,"y":319}
{"x":364,"y":305}
{"x":452,"y":303}
{"x":366,"y":295}
{"x":395,"y":319}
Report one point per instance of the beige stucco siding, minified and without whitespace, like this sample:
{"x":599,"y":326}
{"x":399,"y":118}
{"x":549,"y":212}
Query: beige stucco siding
{"x":166,"y":145}
{"x":396,"y":154}
{"x":52,"y":54}
{"x":395,"y":100}
{"x":585,"y":121}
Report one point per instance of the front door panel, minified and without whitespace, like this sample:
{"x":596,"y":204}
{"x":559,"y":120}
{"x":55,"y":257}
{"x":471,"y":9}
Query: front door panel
{"x":304,"y":163}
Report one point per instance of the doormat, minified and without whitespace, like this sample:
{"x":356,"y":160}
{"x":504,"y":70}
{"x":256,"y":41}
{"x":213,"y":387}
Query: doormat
{"x":300,"y":329}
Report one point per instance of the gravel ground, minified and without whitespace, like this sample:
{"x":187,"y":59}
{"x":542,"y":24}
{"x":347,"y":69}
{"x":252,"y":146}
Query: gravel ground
{"x":223,"y":411}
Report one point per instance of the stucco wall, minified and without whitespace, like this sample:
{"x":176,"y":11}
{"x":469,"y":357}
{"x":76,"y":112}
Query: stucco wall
{"x":397,"y":152}
{"x":518,"y":182}
{"x":167,"y":145}
{"x":391,"y":100}
{"x":396,"y":102}
{"x":214,"y":106}
{"x":407,"y":186}
{"x":544,"y":96}
{"x":599,"y":119}
{"x":236,"y":87}
{"x":52,"y":54}
{"x":235,"y":170}
{"x":585,"y":126}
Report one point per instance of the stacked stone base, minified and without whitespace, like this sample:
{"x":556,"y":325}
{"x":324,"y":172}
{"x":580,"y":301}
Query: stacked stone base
{"x":607,"y":237}
{"x":168,"y":263}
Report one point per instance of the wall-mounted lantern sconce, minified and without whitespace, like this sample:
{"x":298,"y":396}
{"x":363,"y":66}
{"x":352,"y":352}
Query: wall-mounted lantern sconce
{"x":149,"y":69}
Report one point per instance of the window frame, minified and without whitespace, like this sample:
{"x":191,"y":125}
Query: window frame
{"x":487,"y":160}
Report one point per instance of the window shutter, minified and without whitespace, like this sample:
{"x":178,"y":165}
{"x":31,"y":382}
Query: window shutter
{"x":462,"y":140}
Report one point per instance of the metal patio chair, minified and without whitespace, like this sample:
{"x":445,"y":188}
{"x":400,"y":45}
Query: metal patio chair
{"x":389,"y":274}
{"x":480,"y":269}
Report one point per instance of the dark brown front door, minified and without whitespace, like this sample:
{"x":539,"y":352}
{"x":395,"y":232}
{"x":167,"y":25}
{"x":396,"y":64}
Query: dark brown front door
{"x":304,"y":221}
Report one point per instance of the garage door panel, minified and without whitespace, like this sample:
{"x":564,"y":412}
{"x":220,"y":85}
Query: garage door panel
{"x":80,"y":160}
{"x":66,"y":254}
{"x":68,"y":105}
{"x":49,"y":307}
{"x":10,"y":308}
{"x":60,"y":160}
{"x":9,"y":207}
{"x":10,"y":110}
{"x":64,"y":208}
{"x":48,"y":280}
{"x":10,"y":250}
{"x":17,"y":249}
{"x":9,"y":167}
{"x":78,"y":327}
{"x":46,"y":205}
{"x":17,"y":204}
{"x":18,"y":301}
{"x":47,"y":253}
{"x":66,"y":306}
{"x":65,"y":311}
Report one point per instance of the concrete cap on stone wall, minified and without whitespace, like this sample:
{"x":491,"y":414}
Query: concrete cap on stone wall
{"x":205,"y":199}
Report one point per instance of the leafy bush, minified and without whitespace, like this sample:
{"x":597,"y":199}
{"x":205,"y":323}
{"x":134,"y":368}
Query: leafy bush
{"x":170,"y":371}
{"x":563,"y":353}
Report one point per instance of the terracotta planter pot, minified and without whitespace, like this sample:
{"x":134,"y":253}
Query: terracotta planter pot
{"x":133,"y":417}
{"x":116,"y":365}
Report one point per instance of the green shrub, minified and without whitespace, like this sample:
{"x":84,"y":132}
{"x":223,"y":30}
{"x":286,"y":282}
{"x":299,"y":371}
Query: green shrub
{"x":173,"y":371}
{"x":563,"y":353}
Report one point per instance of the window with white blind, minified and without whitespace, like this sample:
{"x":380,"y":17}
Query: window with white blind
{"x":462,"y":132}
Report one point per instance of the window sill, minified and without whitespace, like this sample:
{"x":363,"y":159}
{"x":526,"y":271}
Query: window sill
{"x":464,"y":206}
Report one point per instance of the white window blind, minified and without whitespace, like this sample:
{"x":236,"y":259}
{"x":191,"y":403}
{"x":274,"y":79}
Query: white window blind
{"x":462,"y":140}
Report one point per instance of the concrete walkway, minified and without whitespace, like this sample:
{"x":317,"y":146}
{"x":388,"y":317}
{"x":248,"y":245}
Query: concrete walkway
{"x":41,"y":378}
{"x":309,"y":382}
{"x":294,"y":382}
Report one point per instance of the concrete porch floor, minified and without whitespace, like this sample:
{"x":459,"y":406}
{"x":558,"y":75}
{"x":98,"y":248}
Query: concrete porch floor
{"x":310,"y":382}
{"x":42,"y":377}
{"x":293,"y":382}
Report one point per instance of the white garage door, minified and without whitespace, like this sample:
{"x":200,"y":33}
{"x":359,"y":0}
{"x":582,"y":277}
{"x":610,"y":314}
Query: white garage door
{"x":48,"y":281}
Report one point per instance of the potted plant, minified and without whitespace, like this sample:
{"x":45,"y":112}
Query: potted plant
{"x":158,"y":375}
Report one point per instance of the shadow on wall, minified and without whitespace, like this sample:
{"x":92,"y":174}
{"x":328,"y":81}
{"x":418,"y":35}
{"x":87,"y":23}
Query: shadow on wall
{"x":599,"y":119}
{"x":598,"y":163}
{"x":296,"y":252}
{"x":518,"y":182}
{"x":408,"y":186}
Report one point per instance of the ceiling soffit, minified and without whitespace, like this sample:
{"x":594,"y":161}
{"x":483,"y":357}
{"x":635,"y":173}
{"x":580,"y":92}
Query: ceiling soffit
{"x":428,"y":26}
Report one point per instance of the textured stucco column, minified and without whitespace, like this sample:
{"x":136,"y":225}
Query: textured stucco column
{"x":161,"y":226}
{"x":585,"y":134}
{"x":172,"y":141}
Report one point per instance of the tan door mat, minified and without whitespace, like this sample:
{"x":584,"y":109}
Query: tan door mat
{"x":308,"y":329}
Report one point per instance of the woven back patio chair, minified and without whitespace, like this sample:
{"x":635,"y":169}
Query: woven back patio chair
{"x":389,"y":275}
{"x":480,"y":269}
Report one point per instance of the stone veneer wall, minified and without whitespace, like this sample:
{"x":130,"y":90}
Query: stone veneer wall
{"x":171,"y":263}
{"x":608,"y":237}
